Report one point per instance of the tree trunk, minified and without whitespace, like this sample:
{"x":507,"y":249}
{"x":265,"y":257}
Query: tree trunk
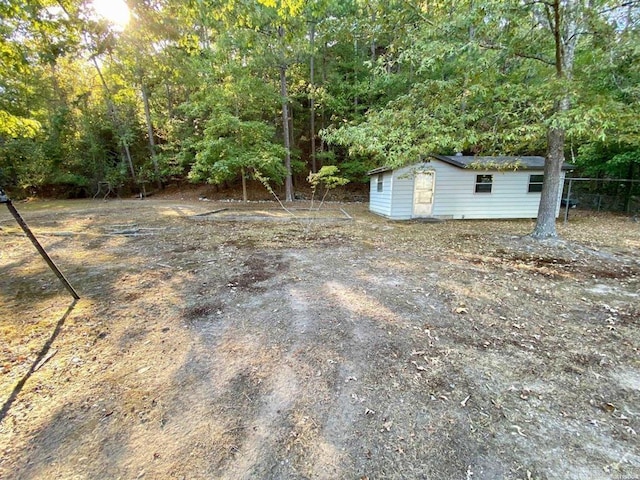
{"x":152,"y":143}
{"x":323,"y":113}
{"x":288,"y":184}
{"x":355,"y":76}
{"x":292,"y":133}
{"x":312,"y":104}
{"x":127,"y":153}
{"x":170,"y":111}
{"x":563,"y":22}
{"x":373,"y":46}
{"x":245,"y":198}
{"x":115,"y":118}
{"x":546,"y":223}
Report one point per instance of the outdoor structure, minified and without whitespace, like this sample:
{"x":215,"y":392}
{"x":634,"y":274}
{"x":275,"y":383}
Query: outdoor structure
{"x":460,"y":187}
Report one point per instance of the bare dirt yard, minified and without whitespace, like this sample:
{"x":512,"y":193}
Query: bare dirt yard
{"x":232,"y":346}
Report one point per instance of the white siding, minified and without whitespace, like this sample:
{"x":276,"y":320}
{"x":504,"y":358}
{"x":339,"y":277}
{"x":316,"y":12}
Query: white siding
{"x":402,"y":197}
{"x":455,"y":195}
{"x":509,"y":197}
{"x":380,"y":202}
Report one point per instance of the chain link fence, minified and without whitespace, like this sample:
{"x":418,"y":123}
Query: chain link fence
{"x":601,"y":194}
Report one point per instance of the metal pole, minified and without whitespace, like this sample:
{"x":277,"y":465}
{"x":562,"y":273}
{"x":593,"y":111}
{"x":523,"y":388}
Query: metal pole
{"x":4,"y":199}
{"x":566,"y":203}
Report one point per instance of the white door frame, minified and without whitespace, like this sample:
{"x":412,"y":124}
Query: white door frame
{"x":424,"y":183}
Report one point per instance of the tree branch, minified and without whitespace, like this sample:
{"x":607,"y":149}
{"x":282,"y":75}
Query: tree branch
{"x":577,"y":34}
{"x":547,"y":11}
{"x":529,"y":56}
{"x":557,"y":38}
{"x":540,"y":58}
{"x":622,"y":5}
{"x":419,"y":13}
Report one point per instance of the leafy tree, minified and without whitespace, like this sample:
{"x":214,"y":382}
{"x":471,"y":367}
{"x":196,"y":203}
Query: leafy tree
{"x":231,"y":146}
{"x":327,"y":177}
{"x":32,"y":40}
{"x":499,"y":77}
{"x":213,"y":89}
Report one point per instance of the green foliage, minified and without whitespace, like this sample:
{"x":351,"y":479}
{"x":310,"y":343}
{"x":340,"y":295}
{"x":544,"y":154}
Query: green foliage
{"x":392,"y":81}
{"x":613,"y":160}
{"x":496,"y":166}
{"x":21,"y":162}
{"x":483,"y":82}
{"x":231,"y":146}
{"x":352,"y":168}
{"x":13,"y":127}
{"x":70,"y":179}
{"x":326,"y":177}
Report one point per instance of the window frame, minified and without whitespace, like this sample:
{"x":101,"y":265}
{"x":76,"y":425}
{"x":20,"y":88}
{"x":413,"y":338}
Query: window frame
{"x":380,"y":183}
{"x":481,"y":185}
{"x":536,"y":184}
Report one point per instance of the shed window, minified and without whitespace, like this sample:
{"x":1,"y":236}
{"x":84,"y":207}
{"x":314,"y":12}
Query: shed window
{"x":380,"y":183}
{"x":535,"y":183}
{"x":484,"y":183}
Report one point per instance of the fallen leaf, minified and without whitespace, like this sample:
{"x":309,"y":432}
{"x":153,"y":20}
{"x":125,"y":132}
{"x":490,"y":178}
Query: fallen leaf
{"x":608,"y":407}
{"x":419,"y":367}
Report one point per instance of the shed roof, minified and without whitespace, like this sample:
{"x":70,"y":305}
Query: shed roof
{"x":378,"y":170}
{"x":502,"y":162}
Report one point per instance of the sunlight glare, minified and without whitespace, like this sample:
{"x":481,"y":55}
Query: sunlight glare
{"x":115,"y":11}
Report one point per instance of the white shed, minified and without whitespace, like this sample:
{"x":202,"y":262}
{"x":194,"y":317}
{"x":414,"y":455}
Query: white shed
{"x":460,"y":187}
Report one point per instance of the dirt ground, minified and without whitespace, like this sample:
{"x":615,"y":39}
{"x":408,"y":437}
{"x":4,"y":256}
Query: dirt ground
{"x":207,"y":346}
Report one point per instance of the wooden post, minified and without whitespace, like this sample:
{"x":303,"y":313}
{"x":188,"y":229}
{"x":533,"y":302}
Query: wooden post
{"x":4,"y":199}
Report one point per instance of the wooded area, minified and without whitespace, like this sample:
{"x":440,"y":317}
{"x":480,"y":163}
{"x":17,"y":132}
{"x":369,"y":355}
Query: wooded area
{"x":216,"y":91}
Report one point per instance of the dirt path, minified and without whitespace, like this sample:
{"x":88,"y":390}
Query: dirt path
{"x":360,"y":349}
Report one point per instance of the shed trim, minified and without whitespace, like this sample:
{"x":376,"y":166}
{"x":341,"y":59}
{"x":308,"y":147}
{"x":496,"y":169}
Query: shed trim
{"x":527,"y":162}
{"x":375,"y":171}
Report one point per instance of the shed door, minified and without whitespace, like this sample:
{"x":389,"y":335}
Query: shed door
{"x":423,"y":188}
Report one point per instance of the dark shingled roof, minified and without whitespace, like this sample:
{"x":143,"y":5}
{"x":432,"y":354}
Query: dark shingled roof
{"x":378,"y":170}
{"x":502,"y":162}
{"x":505,"y":163}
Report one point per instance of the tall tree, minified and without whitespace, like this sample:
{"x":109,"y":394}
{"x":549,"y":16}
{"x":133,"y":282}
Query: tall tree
{"x":565,"y":19}
{"x":392,"y":81}
{"x":286,"y":133}
{"x":499,"y":77}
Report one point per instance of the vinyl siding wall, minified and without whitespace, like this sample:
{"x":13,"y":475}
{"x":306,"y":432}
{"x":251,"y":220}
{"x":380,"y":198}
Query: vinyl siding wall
{"x":380,"y":202}
{"x":402,"y":204}
{"x":455,"y":196}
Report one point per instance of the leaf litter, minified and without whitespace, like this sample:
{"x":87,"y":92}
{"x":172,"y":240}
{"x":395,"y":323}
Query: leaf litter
{"x":367,"y":349}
